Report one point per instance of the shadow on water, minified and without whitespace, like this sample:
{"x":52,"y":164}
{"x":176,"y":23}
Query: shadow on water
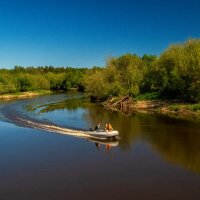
{"x":177,"y":141}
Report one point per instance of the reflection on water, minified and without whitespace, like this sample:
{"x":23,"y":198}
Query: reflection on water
{"x":178,"y":141}
{"x":44,"y":114}
{"x":178,"y":144}
{"x":101,"y":144}
{"x":154,"y":159}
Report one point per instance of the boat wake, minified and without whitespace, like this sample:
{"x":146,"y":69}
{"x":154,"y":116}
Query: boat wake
{"x":50,"y":127}
{"x":16,"y":113}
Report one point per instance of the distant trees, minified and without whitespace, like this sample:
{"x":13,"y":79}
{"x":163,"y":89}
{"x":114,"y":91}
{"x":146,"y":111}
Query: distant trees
{"x":95,"y":83}
{"x":22,"y":79}
{"x":174,"y":74}
{"x":8,"y":83}
{"x":122,"y":76}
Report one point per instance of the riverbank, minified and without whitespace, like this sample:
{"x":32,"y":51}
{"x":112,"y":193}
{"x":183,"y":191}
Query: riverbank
{"x":171,"y":108}
{"x":22,"y":95}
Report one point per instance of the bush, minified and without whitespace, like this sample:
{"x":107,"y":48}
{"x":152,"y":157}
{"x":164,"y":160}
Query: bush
{"x":148,"y":96}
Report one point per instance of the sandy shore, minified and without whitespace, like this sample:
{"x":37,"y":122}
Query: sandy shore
{"x":23,"y":95}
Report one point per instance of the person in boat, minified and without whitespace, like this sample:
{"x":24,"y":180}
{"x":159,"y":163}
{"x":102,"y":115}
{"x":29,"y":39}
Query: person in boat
{"x":97,"y":126}
{"x":108,"y":127}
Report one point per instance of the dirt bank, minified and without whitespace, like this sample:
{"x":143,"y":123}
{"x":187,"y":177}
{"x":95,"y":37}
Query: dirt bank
{"x":174,"y":108}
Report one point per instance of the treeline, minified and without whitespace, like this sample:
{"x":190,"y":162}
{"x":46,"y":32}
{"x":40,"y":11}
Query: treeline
{"x":22,"y":79}
{"x":174,"y":74}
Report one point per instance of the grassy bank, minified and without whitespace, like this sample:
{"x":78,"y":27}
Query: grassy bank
{"x":22,"y":95}
{"x":150,"y":104}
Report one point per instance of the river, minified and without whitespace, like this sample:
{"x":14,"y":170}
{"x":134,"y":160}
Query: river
{"x":156,"y":157}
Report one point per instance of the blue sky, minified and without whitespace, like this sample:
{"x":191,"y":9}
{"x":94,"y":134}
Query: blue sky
{"x":84,"y":33}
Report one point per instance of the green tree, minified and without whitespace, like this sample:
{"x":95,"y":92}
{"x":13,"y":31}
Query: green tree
{"x":129,"y":71}
{"x":150,"y":78}
{"x":24,"y":83}
{"x":96,"y":85}
{"x":179,"y":67}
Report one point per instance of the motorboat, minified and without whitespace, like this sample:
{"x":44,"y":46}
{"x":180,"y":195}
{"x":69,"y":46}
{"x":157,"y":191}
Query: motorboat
{"x":102,"y":134}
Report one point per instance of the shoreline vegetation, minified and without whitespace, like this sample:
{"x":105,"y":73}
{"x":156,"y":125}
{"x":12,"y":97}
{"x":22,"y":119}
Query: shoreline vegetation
{"x":167,"y":84}
{"x":23,"y":95}
{"x":128,"y":105}
{"x":172,"y":108}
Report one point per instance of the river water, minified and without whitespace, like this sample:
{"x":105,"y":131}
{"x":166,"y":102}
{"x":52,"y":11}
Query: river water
{"x":156,"y":157}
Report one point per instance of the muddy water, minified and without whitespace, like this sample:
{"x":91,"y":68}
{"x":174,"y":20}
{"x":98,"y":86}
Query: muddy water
{"x":156,"y":157}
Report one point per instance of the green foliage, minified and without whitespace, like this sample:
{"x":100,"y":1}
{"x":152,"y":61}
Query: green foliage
{"x":1,"y":88}
{"x":148,"y":96}
{"x":180,"y":69}
{"x":151,"y":76}
{"x":95,"y":84}
{"x":130,"y":69}
{"x":72,"y":80}
{"x":22,"y":79}
{"x":174,"y":107}
{"x":8,"y":82}
{"x":175,"y":74}
{"x":24,"y":83}
{"x":122,"y":76}
{"x":193,"y":107}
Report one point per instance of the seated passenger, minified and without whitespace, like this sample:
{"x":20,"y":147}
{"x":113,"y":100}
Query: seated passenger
{"x":97,"y":126}
{"x":108,"y":127}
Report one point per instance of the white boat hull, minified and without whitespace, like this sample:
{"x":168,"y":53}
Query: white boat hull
{"x":103,"y":134}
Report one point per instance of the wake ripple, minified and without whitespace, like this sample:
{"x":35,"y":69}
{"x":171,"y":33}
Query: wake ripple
{"x":13,"y":113}
{"x":51,"y":128}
